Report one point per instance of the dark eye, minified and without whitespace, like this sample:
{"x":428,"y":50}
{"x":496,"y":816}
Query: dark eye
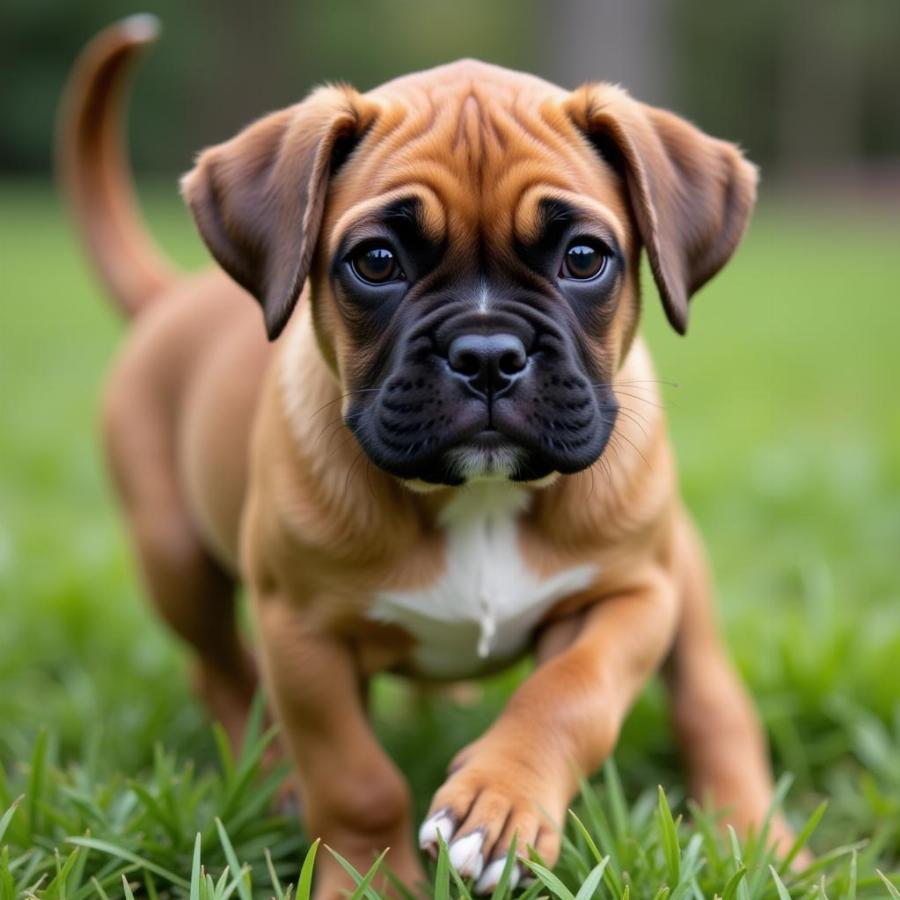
{"x":584,"y":261}
{"x":376,"y":264}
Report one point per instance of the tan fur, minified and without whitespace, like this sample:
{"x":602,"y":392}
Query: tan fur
{"x":314,"y":529}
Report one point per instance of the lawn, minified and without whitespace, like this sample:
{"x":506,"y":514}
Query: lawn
{"x":783,"y":407}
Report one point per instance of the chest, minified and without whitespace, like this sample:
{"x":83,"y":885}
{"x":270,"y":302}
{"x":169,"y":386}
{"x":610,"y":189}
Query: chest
{"x":482,"y":607}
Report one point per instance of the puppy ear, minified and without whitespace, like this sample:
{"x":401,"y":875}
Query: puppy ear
{"x":258,"y":199}
{"x":691,"y":194}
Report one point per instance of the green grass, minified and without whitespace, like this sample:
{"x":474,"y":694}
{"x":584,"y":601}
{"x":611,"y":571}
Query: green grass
{"x":788,"y":434}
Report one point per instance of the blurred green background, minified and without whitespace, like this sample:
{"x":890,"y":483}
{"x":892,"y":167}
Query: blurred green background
{"x":806,"y":85}
{"x":783,"y":399}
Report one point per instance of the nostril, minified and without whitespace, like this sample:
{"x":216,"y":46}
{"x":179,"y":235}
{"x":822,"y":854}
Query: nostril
{"x":512,"y":362}
{"x":466,"y":355}
{"x":467,"y":364}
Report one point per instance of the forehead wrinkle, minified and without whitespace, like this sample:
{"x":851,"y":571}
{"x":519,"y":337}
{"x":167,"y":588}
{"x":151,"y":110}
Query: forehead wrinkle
{"x":468,"y":135}
{"x":538,"y":130}
{"x":480,"y":139}
{"x":451,"y":189}
{"x":469,"y":125}
{"x":433,"y":218}
{"x":477,"y":148}
{"x":527,"y":212}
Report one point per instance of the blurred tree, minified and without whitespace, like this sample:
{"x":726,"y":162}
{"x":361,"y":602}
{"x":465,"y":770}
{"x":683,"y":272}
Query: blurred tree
{"x":222,"y":63}
{"x":624,"y":41}
{"x":822,"y":66}
{"x":800,"y":84}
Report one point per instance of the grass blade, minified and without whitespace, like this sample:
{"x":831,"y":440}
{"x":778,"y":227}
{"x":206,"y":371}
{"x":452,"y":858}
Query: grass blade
{"x":304,"y":885}
{"x":223,"y":748}
{"x":195,"y":869}
{"x":7,"y":816}
{"x":36,"y":779}
{"x":464,"y":892}
{"x":783,"y":893}
{"x":891,"y":889}
{"x":503,"y":887}
{"x":803,"y":837}
{"x":362,"y":881}
{"x":613,"y":881}
{"x":273,"y":876}
{"x":126,"y":888}
{"x":669,"y":839}
{"x":590,"y":884}
{"x":550,"y":880}
{"x":585,"y":834}
{"x":241,"y":874}
{"x":363,"y":889}
{"x":56,"y":889}
{"x":121,"y":853}
{"x":616,"y":795}
{"x":731,"y":885}
{"x":442,"y":872}
{"x":98,"y":888}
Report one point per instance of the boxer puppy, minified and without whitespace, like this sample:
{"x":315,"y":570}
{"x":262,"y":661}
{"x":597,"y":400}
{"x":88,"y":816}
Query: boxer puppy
{"x":448,"y":453}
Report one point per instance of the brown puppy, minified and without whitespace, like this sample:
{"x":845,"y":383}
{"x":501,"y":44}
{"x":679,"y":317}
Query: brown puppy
{"x":457,"y":450}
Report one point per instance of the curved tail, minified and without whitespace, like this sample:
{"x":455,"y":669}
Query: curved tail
{"x":93,"y":171}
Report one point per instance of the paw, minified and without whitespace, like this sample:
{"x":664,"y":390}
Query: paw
{"x":480,"y":814}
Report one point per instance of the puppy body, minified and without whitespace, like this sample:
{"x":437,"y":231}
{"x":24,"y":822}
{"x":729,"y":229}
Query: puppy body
{"x":377,"y":520}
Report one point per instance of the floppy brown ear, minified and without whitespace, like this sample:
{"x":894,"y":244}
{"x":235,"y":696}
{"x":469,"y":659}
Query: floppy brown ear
{"x":258,"y":199}
{"x":691,"y":194}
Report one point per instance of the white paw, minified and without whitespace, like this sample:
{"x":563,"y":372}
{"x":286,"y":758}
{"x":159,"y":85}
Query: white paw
{"x":466,"y":854}
{"x":491,"y":877}
{"x":439,"y":824}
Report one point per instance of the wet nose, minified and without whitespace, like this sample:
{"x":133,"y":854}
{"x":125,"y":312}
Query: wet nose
{"x":490,"y":363}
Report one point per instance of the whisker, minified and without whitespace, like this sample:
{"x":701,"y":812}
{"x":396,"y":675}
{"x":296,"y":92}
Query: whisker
{"x":344,"y":397}
{"x":647,"y":400}
{"x":633,"y":381}
{"x":621,"y":407}
{"x":633,"y":446}
{"x":359,"y":456}
{"x":606,"y":468}
{"x":635,"y":418}
{"x":614,"y":448}
{"x":369,"y":479}
{"x":335,"y":427}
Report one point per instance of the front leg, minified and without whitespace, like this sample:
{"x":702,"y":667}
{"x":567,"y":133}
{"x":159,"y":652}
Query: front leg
{"x":354,"y":797}
{"x":560,"y":725}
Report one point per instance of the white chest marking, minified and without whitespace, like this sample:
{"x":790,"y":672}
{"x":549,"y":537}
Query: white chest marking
{"x":487,"y":601}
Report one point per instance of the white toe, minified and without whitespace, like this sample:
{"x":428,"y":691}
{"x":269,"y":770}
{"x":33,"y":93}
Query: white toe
{"x":465,"y":855}
{"x":439,"y":824}
{"x":491,"y":877}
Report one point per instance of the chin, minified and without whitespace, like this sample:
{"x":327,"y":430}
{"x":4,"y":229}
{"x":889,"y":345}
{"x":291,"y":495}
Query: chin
{"x":469,"y":464}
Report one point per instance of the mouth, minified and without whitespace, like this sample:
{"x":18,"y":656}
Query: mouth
{"x":422,"y":425}
{"x":489,"y":439}
{"x":511,"y":445}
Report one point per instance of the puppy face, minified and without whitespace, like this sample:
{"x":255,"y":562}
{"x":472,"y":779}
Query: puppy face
{"x":473,"y":239}
{"x":479,"y":298}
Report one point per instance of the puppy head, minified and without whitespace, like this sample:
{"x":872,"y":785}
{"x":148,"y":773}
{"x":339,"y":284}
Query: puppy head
{"x":472,"y":239}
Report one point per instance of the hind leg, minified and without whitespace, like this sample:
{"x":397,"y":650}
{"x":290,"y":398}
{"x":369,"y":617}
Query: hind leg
{"x":196,"y":599}
{"x":717,"y":728}
{"x":189,"y":589}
